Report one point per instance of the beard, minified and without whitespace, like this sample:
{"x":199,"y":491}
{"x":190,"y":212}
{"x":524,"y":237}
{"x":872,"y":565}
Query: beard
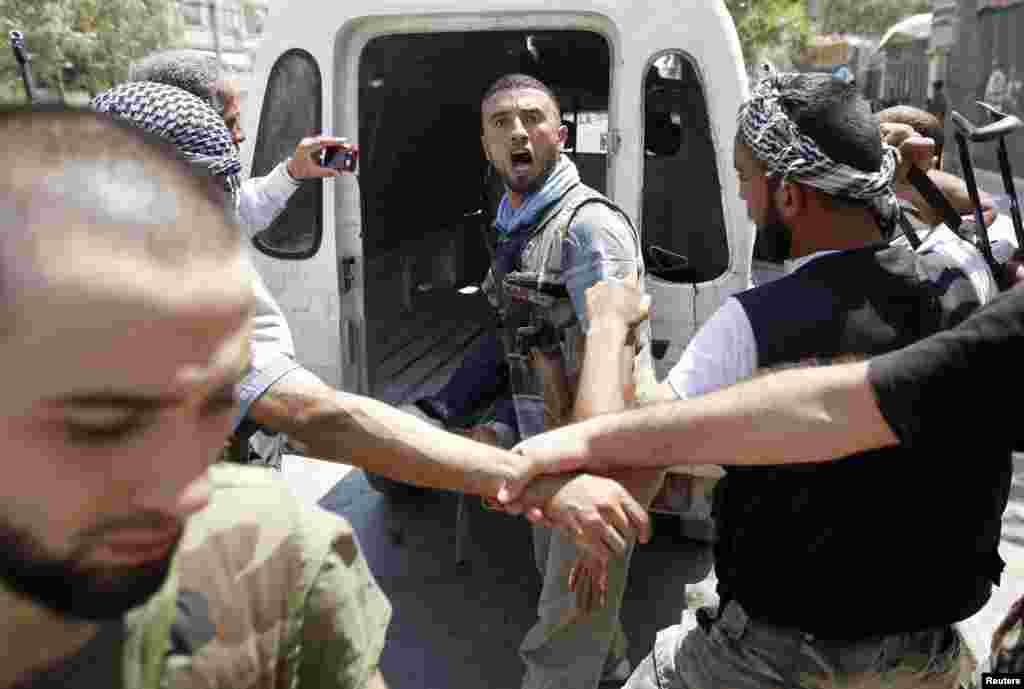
{"x":70,"y":588}
{"x":774,"y":238}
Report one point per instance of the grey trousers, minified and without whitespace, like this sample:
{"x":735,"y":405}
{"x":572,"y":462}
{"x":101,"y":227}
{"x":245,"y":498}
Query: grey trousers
{"x":565,"y":649}
{"x":739,"y":653}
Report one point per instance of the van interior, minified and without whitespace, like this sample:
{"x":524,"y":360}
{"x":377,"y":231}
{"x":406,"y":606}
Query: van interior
{"x":427,"y":192}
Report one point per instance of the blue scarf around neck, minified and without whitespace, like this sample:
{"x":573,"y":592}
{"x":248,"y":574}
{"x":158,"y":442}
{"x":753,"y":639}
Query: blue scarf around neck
{"x":509,"y":221}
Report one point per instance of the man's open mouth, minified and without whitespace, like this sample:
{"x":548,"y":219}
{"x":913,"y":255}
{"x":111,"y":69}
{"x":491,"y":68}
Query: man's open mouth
{"x":521,"y":159}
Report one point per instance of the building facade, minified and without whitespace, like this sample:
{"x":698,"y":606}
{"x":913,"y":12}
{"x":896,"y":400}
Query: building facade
{"x":230,"y":29}
{"x":900,"y":68}
{"x":942,"y":40}
{"x":986,"y":62}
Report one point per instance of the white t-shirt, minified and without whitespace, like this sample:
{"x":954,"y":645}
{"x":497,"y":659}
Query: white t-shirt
{"x":723,"y":351}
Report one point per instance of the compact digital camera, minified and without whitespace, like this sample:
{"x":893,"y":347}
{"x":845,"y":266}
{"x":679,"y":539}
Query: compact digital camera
{"x":339,"y":158}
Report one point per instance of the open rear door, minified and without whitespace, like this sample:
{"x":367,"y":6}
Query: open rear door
{"x":671,"y":166}
{"x":298,"y":255}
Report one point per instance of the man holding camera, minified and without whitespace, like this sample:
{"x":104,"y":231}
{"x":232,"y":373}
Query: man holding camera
{"x":261,"y":199}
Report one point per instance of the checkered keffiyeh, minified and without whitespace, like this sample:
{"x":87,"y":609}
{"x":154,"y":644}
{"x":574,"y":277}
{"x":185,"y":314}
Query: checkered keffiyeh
{"x":177,"y":116}
{"x":778,"y":143}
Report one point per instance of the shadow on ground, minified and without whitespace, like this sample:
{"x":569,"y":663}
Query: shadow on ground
{"x":461,"y":626}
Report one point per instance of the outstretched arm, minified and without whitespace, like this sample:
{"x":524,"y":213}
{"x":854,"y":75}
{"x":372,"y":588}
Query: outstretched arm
{"x":812,"y":414}
{"x":339,"y":426}
{"x":800,"y":415}
{"x":263,"y":198}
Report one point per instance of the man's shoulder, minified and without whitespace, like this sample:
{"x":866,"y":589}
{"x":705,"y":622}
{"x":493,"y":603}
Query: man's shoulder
{"x":589,"y":205}
{"x":257,"y":501}
{"x":246,"y":567}
{"x":592,"y":213}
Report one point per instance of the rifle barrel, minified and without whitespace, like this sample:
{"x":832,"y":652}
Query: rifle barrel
{"x":23,"y":60}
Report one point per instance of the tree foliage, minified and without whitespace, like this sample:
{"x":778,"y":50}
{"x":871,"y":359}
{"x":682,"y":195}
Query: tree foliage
{"x":84,"y":44}
{"x":770,"y":27}
{"x":865,"y":16}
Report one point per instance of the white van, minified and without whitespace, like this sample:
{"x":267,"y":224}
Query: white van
{"x":377,"y":273}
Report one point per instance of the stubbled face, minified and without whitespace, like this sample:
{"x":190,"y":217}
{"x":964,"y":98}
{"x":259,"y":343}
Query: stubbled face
{"x":773,"y":235}
{"x":120,"y":395}
{"x":522,"y":137}
{"x":231,"y":97}
{"x":753,"y":182}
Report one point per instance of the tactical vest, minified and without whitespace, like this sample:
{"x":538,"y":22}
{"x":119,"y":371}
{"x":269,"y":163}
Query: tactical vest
{"x":892,"y":540}
{"x":540,"y":332}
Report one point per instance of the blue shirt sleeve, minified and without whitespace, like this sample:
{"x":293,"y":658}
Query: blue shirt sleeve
{"x":599,"y":245}
{"x":256,"y":381}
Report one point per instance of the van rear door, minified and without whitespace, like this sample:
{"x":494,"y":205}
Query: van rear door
{"x":673,"y":169}
{"x":649,"y":91}
{"x":299,"y":257}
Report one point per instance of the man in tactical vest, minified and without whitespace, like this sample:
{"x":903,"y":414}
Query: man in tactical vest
{"x":553,"y":237}
{"x":280,"y":393}
{"x":820,"y":566}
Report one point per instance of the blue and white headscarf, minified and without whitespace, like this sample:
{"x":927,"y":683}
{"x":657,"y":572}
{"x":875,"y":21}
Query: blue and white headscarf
{"x":179,"y":117}
{"x":787,"y":152}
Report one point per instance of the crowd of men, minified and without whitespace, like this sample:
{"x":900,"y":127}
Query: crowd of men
{"x":149,"y":363}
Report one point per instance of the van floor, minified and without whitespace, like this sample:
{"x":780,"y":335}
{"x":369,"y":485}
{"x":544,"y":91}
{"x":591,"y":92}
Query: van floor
{"x":413,"y":353}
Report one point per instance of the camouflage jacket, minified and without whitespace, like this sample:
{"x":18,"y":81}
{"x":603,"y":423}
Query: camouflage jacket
{"x":266,"y":591}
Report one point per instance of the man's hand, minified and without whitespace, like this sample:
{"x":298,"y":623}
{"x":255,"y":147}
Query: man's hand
{"x":915,"y":150}
{"x":305,"y":162}
{"x":1014,"y":269}
{"x":1004,"y":649}
{"x":617,"y":302}
{"x":588,"y":579}
{"x":342,"y":427}
{"x":558,"y":451}
{"x":598,"y":513}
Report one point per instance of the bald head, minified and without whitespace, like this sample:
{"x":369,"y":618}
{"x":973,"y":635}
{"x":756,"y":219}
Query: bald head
{"x":126,"y":303}
{"x":129,"y":186}
{"x":90,"y":197}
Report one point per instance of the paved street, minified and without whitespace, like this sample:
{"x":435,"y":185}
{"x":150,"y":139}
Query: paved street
{"x":461,"y":628}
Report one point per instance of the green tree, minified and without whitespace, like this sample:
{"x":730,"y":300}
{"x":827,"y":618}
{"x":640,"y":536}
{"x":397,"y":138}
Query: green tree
{"x":769,"y":28}
{"x":90,"y":42}
{"x":865,"y":16}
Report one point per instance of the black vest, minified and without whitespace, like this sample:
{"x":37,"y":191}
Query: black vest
{"x":880,"y":542}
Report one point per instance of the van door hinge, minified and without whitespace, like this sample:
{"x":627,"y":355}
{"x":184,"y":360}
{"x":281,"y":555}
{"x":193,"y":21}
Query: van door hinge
{"x":614,"y":142}
{"x":348,"y":273}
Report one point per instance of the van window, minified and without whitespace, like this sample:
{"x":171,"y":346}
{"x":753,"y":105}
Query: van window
{"x":590,"y":145}
{"x":292,"y":109}
{"x":682,"y":215}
